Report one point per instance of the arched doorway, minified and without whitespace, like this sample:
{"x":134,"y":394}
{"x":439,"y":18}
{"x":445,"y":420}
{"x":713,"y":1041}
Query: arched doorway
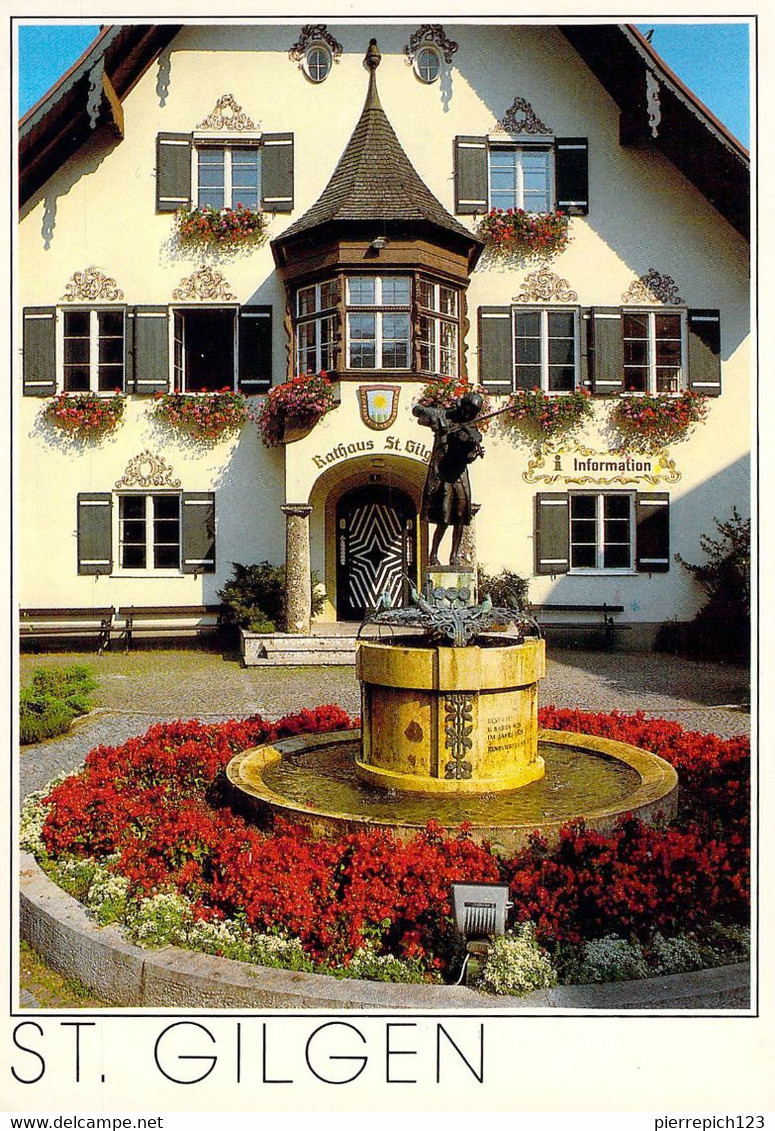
{"x":375,"y":548}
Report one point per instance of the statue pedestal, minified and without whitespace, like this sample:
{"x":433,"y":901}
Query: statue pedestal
{"x":451,"y":577}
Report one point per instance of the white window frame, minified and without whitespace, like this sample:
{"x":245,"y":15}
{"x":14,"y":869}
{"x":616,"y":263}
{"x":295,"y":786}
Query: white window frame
{"x":653,"y":312}
{"x":378,"y":308}
{"x":227,"y":145}
{"x":306,"y":66}
{"x":181,"y":386}
{"x":516,"y":147}
{"x":94,"y":337}
{"x":436,"y":317}
{"x":544,"y":312}
{"x":599,"y":569}
{"x":147,"y":570}
{"x":430,"y":49}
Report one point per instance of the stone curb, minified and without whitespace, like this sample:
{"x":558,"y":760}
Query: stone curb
{"x":58,"y":928}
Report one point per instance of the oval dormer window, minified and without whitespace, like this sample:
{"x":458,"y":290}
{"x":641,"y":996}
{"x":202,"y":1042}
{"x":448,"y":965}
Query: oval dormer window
{"x":317,"y":62}
{"x":427,"y":63}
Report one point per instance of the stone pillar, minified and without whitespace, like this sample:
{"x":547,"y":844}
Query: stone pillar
{"x":298,"y":594}
{"x":468,"y":542}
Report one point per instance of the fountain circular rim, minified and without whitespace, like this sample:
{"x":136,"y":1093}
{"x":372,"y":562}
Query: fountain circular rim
{"x":657,"y":791}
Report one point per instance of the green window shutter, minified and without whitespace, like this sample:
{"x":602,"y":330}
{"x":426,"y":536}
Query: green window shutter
{"x":652,"y":532}
{"x":705,"y":352}
{"x":496,"y":367}
{"x":173,"y":172}
{"x":605,"y":351}
{"x":198,"y":532}
{"x":95,"y":532}
{"x":39,"y":371}
{"x":255,"y":349}
{"x":585,"y":349}
{"x":471,"y":189}
{"x":571,"y":170}
{"x":150,"y":348}
{"x":277,"y":172}
{"x":552,"y":532}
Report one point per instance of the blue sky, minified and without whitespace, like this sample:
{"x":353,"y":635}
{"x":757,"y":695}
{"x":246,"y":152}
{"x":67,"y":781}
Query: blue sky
{"x":711,"y":59}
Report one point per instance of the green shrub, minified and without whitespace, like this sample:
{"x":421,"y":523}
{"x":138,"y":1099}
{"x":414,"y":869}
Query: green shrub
{"x":255,"y":596}
{"x":722,"y":627}
{"x":516,"y":964}
{"x":506,"y":589}
{"x":54,"y":698}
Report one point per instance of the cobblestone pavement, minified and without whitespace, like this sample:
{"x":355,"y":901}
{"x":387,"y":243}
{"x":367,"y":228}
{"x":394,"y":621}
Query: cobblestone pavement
{"x":149,"y":686}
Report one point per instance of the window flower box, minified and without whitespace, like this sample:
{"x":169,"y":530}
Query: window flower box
{"x":445,"y":391}
{"x":86,"y":416}
{"x":222,"y":226}
{"x":544,"y":417}
{"x":648,"y":423}
{"x":292,"y":410}
{"x":205,"y":417}
{"x":529,"y":234}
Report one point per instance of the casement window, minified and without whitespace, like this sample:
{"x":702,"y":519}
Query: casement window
{"x":529,"y":347}
{"x":439,"y":328}
{"x":92,"y":350}
{"x":616,"y":350}
{"x":228,"y":175}
{"x":520,"y":178}
{"x":378,"y":321}
{"x":653,"y":351}
{"x":316,"y":326}
{"x":537,"y":176}
{"x":138,"y":349}
{"x":546,"y":350}
{"x":203,"y":349}
{"x":161,"y":532}
{"x":193,"y":170}
{"x":149,"y":532}
{"x":600,"y":531}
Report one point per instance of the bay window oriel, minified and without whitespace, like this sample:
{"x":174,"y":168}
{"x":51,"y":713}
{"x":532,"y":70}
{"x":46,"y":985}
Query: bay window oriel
{"x":316,"y":326}
{"x":378,"y":321}
{"x":438,"y":328}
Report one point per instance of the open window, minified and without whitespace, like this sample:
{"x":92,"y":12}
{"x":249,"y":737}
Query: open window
{"x":203,"y":349}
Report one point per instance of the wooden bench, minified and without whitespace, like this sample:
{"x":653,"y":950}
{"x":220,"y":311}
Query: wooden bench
{"x":68,"y":622}
{"x":166,"y":620}
{"x":607,"y":625}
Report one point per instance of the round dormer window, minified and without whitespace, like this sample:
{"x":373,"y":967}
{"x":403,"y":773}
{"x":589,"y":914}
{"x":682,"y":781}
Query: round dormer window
{"x":317,"y":62}
{"x":427,"y":64}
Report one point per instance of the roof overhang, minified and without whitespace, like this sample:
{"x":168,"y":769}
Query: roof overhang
{"x":659,"y":112}
{"x":292,"y":253}
{"x":88,"y":96}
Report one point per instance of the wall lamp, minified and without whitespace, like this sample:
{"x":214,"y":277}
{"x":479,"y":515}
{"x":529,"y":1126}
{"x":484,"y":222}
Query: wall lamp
{"x":378,"y":243}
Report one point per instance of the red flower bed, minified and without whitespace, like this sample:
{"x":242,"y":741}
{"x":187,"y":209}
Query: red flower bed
{"x":155,"y":801}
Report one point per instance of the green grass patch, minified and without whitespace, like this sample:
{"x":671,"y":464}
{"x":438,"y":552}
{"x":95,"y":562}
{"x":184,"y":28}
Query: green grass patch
{"x":54,"y":697}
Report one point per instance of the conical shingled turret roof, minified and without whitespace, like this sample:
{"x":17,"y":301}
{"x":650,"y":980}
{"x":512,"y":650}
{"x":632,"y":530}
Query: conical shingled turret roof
{"x":375,"y":180}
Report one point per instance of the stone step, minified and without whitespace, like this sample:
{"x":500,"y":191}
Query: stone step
{"x":267,"y":649}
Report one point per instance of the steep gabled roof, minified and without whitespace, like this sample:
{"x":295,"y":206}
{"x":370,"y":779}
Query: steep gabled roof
{"x":375,"y":180}
{"x":659,"y":112}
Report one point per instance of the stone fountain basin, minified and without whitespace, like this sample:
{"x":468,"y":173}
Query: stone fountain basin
{"x":648,"y":789}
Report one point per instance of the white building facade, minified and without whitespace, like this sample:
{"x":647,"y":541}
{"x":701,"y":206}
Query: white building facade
{"x":375,"y":166}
